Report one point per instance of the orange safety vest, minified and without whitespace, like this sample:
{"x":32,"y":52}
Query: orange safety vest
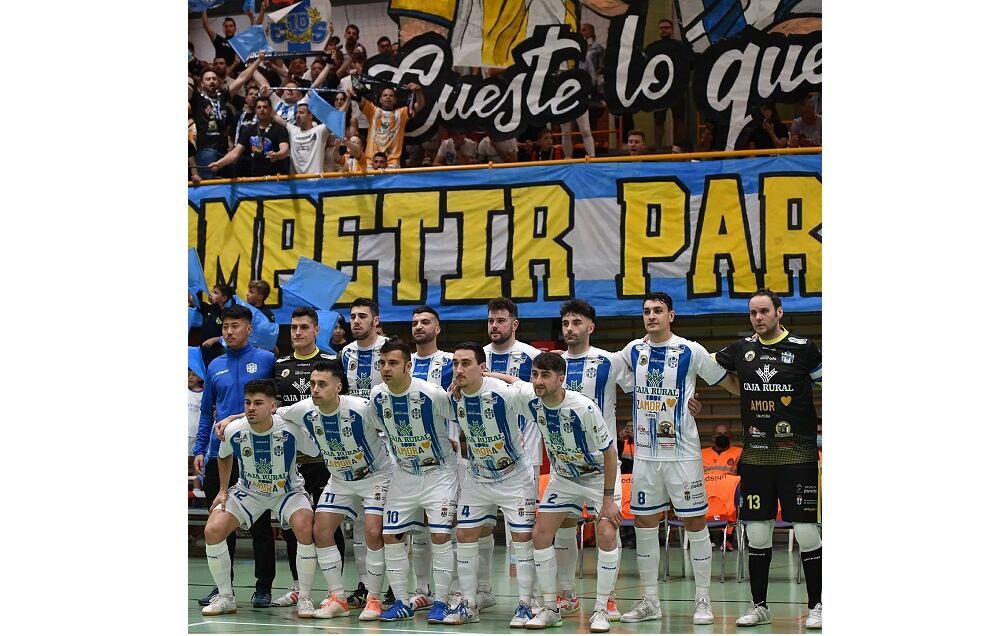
{"x":721,"y":482}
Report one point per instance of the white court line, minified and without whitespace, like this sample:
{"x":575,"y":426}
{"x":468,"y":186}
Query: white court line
{"x":314,"y":626}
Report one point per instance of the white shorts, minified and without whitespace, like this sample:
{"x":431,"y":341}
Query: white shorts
{"x":248,"y":507}
{"x":656,"y":484}
{"x":412,"y":495}
{"x":354,"y":497}
{"x":565,"y":495}
{"x":480,"y":500}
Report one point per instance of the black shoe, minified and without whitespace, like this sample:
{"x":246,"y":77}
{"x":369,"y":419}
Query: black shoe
{"x":359,"y":597}
{"x":390,"y":598}
{"x":206,"y":599}
{"x":262,"y":599}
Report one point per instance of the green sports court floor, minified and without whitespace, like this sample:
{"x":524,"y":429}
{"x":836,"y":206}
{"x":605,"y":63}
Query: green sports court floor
{"x":786,"y":599}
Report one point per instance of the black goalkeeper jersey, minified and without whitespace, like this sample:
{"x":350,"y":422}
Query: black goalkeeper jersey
{"x":292,"y":376}
{"x":776,"y":401}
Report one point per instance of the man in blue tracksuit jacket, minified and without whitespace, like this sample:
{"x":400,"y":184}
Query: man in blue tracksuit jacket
{"x":224,"y":395}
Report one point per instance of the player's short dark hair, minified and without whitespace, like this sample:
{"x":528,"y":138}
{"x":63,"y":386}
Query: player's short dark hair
{"x":265,"y":386}
{"x":639,"y":133}
{"x":478,"y":350}
{"x":396,"y":344}
{"x":329,"y":366}
{"x":366,"y":302}
{"x":305,"y":312}
{"x":502,"y":303}
{"x":578,"y":306}
{"x":421,"y":309}
{"x":661,"y":297}
{"x":549,"y":361}
{"x":236,"y":312}
{"x":260,"y":286}
{"x":767,"y":292}
{"x":225,"y":290}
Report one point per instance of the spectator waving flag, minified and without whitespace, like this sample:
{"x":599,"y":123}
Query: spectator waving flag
{"x":196,"y":362}
{"x":203,"y":5}
{"x":326,"y":114}
{"x":196,"y":277}
{"x":264,"y":333}
{"x":326,"y":320}
{"x":315,"y":284}
{"x":250,"y":41}
{"x":249,"y":6}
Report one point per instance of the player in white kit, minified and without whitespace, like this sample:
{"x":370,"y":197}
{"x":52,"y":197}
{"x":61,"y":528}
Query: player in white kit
{"x":498,"y":476}
{"x":507,"y":355}
{"x":414,"y":416}
{"x":436,"y":367}
{"x":668,"y":457}
{"x":265,"y":447}
{"x":347,"y":431}
{"x":360,"y":360}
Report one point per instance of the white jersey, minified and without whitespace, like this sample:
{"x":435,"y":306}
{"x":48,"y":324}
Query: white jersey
{"x":436,"y":368}
{"x":267,"y":461}
{"x":362,"y":367}
{"x":594,"y":373}
{"x":489,"y":419}
{"x":347,"y":437}
{"x":415,"y":425}
{"x":575,"y":433}
{"x":517,"y":361}
{"x":663,"y":378}
{"x":194,"y":418}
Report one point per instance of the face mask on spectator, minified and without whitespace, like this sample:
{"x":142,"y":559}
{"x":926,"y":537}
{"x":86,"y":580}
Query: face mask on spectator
{"x":722,"y":441}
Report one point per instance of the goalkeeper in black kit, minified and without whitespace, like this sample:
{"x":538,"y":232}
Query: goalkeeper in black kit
{"x":776,"y":370}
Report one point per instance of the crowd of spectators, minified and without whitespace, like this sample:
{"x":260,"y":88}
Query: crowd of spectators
{"x":251,"y":119}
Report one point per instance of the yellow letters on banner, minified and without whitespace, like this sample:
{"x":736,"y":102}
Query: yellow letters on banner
{"x":473,"y":208}
{"x":193,"y":229}
{"x":722,"y":231}
{"x":553,"y":203}
{"x":791,"y":216}
{"x":341,"y":246}
{"x":229,"y":243}
{"x":288,"y":234}
{"x":654,"y":227}
{"x":409,"y":213}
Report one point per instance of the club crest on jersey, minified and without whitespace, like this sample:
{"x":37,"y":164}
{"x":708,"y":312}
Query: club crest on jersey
{"x":252,"y":367}
{"x":278,"y":451}
{"x":489,"y":413}
{"x":346,"y":431}
{"x":387,"y":413}
{"x":435,"y":374}
{"x":591,"y":372}
{"x":352,"y":364}
{"x":787,"y":357}
{"x":672,"y":362}
{"x":656,"y":377}
{"x":461,"y":413}
{"x":284,"y":373}
{"x":666,"y":429}
{"x":377,"y":364}
{"x":782,"y":429}
{"x":542,"y":420}
{"x":643,"y":360}
{"x":748,"y":356}
{"x":319,"y":430}
{"x":766,"y":373}
{"x":417,"y":413}
{"x":247,"y":452}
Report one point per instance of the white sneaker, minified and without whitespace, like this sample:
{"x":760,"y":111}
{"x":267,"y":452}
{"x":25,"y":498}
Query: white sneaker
{"x":373,"y":609}
{"x":536,"y":605}
{"x":485,"y":600}
{"x":305,"y":607}
{"x":755,"y":615}
{"x":600,"y":622}
{"x":523,"y":614}
{"x":646,"y":609}
{"x":569,"y":605}
{"x":814,"y":620}
{"x":289,"y":599}
{"x":221,"y":604}
{"x":420,"y":601}
{"x":613,"y":613}
{"x":460,"y":614}
{"x":704,"y":612}
{"x":546,"y":618}
{"x":332,"y":607}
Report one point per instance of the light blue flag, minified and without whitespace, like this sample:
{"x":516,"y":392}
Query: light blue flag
{"x":203,"y":5}
{"x":194,"y":318}
{"x":326,"y":114}
{"x":316,"y":284}
{"x":196,"y":277}
{"x":326,"y":320}
{"x":249,"y":6}
{"x":264,"y":333}
{"x":196,"y":362}
{"x":252,"y":40}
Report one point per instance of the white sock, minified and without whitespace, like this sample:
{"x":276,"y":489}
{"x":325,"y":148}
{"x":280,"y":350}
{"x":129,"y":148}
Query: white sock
{"x":648,"y":556}
{"x":583,"y":123}
{"x":545,"y":573}
{"x":375,"y":567}
{"x":486,"y":552}
{"x":307,"y":566}
{"x":524,"y":568}
{"x":701,"y":555}
{"x":443,"y":561}
{"x":397,"y":569}
{"x":606,"y":575}
{"x":330,"y":561}
{"x":422,"y":561}
{"x":358,"y":546}
{"x":566,"y":556}
{"x":454,"y":580}
{"x":220,"y":566}
{"x":467,"y":564}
